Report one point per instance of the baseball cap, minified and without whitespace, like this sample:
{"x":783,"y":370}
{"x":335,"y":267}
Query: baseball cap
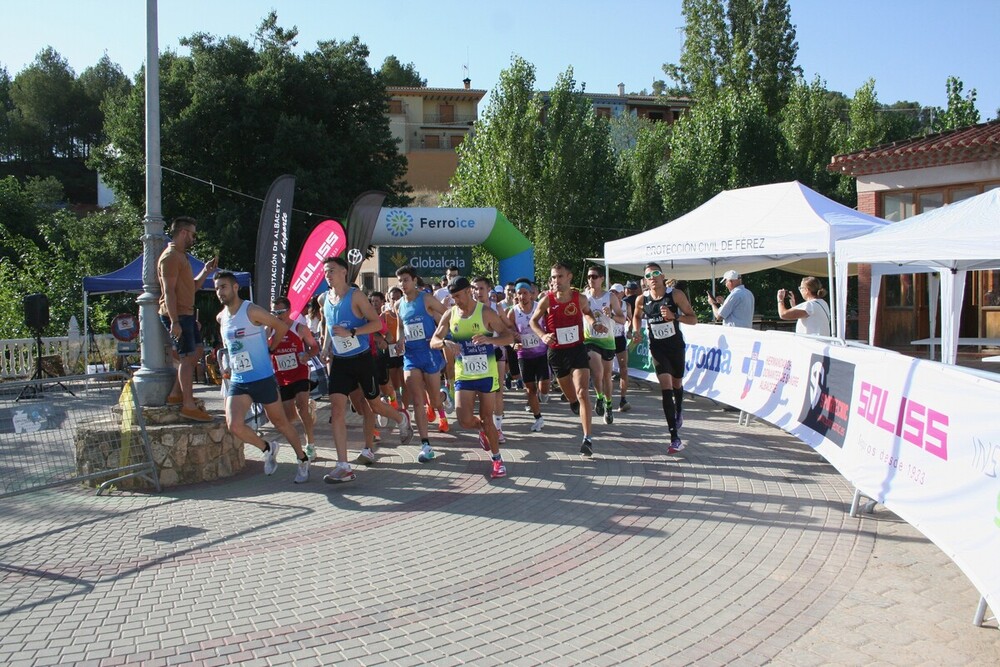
{"x":457,"y":284}
{"x":631,"y":285}
{"x":729,"y":275}
{"x":617,"y":287}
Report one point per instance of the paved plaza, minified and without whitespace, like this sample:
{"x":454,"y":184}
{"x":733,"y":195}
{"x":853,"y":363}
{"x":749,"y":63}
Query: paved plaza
{"x":739,"y":550}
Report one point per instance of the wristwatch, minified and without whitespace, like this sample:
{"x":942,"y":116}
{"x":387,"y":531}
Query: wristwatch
{"x":353,"y":331}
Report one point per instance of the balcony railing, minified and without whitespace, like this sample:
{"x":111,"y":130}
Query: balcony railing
{"x":448,"y":119}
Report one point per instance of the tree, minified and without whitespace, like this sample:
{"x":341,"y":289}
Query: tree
{"x":46,"y":99}
{"x":642,"y":148}
{"x":546,"y":164}
{"x":961,"y":111}
{"x":239,"y":115}
{"x":813,"y":132}
{"x":737,"y":46}
{"x":96,"y":84}
{"x":725,"y":143}
{"x":394,"y":73}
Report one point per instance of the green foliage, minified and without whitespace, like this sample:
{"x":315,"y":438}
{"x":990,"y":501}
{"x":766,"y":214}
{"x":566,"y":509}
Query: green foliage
{"x":642,"y":148}
{"x":813,"y":130}
{"x":961,"y":111}
{"x":394,"y":73}
{"x":737,"y":46}
{"x":240,"y":115}
{"x":546,"y":164}
{"x":725,"y":143}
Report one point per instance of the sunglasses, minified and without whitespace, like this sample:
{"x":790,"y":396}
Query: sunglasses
{"x":279,"y":312}
{"x":653,"y":274}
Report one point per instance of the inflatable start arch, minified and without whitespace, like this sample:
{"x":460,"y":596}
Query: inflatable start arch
{"x":459,"y":227}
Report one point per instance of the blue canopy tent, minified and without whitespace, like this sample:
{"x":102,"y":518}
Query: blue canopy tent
{"x":129,"y":279}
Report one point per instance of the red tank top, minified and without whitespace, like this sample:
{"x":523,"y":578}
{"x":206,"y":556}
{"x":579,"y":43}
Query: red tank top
{"x":563,"y":318}
{"x":287,"y":367}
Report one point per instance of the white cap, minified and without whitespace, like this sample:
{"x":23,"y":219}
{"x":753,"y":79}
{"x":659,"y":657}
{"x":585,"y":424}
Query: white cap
{"x":729,"y":275}
{"x":617,"y":287}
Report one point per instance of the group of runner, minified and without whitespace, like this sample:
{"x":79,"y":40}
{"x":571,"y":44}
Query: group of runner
{"x":453,"y":346}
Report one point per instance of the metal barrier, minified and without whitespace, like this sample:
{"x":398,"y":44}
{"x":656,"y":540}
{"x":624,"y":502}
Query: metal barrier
{"x":73,"y":429}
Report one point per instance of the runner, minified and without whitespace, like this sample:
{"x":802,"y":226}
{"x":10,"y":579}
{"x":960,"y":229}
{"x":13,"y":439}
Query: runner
{"x":471,"y":331}
{"x":601,"y":345}
{"x":482,"y":289}
{"x":419,"y":314}
{"x":529,"y":348}
{"x":621,"y":347}
{"x":350,"y":318}
{"x":664,"y":307}
{"x":563,"y":313}
{"x":290,"y":357}
{"x":242,"y":328}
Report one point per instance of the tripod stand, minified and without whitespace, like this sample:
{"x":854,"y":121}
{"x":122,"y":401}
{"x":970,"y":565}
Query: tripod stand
{"x":39,"y":374}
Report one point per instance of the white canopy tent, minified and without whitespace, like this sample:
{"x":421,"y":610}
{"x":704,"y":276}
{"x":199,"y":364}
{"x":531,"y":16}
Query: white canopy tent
{"x":951,"y":240}
{"x":749,"y":229}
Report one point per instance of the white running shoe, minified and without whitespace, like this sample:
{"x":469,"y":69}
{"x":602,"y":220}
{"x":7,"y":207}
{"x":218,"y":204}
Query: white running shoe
{"x":539,"y":423}
{"x":405,"y":429}
{"x":310,"y":451}
{"x":426,"y":454}
{"x":302,"y":474}
{"x":367,"y":456}
{"x":271,"y":458}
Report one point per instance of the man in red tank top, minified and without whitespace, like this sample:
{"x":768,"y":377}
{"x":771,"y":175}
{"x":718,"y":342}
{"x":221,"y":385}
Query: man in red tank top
{"x":563,"y":311}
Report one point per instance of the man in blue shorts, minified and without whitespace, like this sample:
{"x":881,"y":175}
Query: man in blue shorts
{"x":242,"y":328}
{"x":419,"y":314}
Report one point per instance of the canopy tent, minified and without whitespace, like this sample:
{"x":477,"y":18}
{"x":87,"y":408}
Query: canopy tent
{"x":129,"y":279}
{"x":749,"y":229}
{"x":951,"y":240}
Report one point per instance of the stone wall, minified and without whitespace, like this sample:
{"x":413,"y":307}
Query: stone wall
{"x":184,"y":452}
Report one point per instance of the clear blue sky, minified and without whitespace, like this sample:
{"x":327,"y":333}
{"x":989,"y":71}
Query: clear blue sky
{"x":909,"y":47}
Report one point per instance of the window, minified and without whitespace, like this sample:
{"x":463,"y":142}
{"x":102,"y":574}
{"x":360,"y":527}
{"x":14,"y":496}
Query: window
{"x":455,"y":139}
{"x":395,"y":106}
{"x":958,"y":194}
{"x":896,"y":207}
{"x":603,"y":112}
{"x":447,"y":112}
{"x":432,"y":141}
{"x":930,"y":201}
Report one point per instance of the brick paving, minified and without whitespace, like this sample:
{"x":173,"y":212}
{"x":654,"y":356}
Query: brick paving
{"x":737,"y":551}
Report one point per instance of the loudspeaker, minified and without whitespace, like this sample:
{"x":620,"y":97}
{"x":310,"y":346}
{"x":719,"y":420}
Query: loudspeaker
{"x":36,"y":311}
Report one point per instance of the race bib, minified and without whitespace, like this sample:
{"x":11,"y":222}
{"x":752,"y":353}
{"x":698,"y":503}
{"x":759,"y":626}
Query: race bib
{"x":344,"y":344}
{"x":619,"y":330}
{"x":529,"y":340}
{"x":414,"y":330}
{"x":287,"y":362}
{"x":662,"y":330}
{"x":475,"y":364}
{"x":393,"y":352}
{"x":608,"y":331}
{"x":241,"y":363}
{"x":567,"y":335}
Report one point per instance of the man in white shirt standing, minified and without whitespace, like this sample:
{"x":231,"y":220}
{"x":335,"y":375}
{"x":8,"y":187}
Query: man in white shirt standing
{"x":738,"y":308}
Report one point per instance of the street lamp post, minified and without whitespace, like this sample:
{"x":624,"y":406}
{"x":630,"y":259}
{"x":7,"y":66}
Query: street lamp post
{"x":155,"y":376}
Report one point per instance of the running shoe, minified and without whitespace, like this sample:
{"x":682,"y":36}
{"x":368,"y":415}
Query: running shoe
{"x":499,"y":469}
{"x":599,"y":407}
{"x":500,"y":436}
{"x":443,"y":425}
{"x":366,"y":457}
{"x":430,"y":413}
{"x":449,"y":399}
{"x":624,"y":406}
{"x":310,"y":451}
{"x":609,"y":415}
{"x":527,"y":407}
{"x":575,"y":407}
{"x":376,"y":435}
{"x":271,"y":458}
{"x":587,"y":447}
{"x":537,"y":426}
{"x":544,"y":398}
{"x":484,"y":442}
{"x":680,"y":420}
{"x":426,"y":454}
{"x":405,"y":429}
{"x":342,"y":473}
{"x":302,"y":472}
{"x":519,"y":384}
{"x":675,"y":445}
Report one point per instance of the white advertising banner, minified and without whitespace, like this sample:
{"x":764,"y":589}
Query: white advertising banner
{"x":440,"y":226}
{"x":920,"y":437}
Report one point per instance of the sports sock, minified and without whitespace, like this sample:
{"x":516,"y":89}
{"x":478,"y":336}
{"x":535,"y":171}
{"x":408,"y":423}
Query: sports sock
{"x":678,"y":398}
{"x":668,"y":410}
